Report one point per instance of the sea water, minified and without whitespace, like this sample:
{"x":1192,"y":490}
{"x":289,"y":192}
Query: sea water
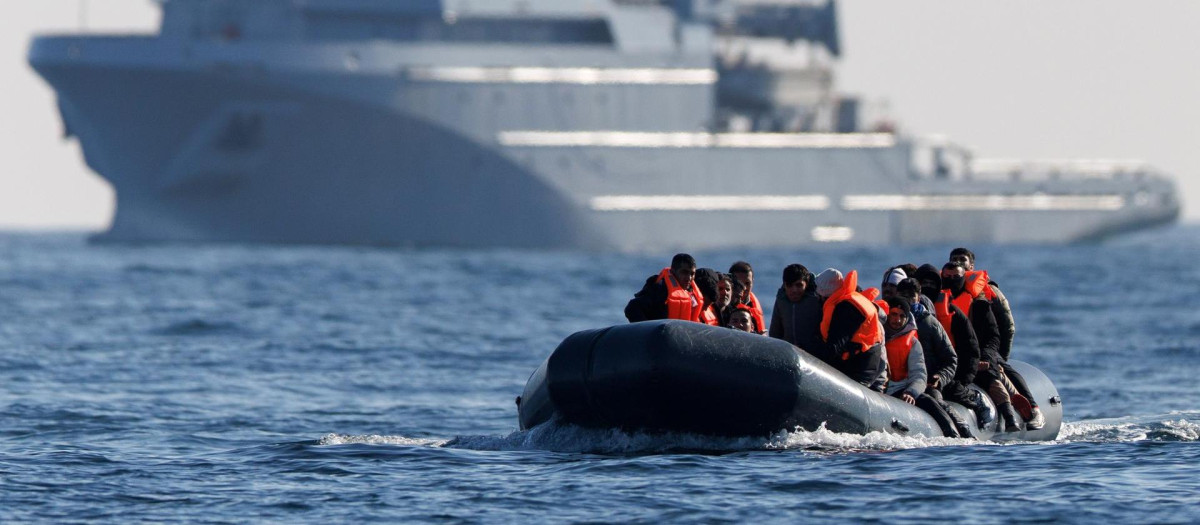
{"x":226,"y":383}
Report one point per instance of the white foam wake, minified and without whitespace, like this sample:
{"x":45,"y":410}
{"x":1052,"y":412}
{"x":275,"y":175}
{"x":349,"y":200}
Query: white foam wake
{"x":1176,"y":426}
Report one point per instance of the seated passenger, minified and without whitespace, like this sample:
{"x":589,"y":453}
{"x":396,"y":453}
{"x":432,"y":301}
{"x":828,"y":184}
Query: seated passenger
{"x":742,"y":319}
{"x":1008,"y":328}
{"x":743,"y":273}
{"x":940,"y":360}
{"x":707,"y":280}
{"x":850,"y":330}
{"x":907,"y":372}
{"x":893,"y":277}
{"x":669,"y":295}
{"x":796,"y":317}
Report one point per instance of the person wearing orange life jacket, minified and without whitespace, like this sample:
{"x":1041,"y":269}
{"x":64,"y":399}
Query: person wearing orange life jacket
{"x":965,"y":343}
{"x":850,"y":330}
{"x":669,"y":295}
{"x":906,"y":368}
{"x":744,"y":273}
{"x":1002,"y":310}
{"x":969,"y":295}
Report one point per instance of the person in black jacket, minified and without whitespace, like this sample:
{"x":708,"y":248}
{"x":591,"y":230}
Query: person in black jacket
{"x":966,"y":348}
{"x":991,"y":373}
{"x":864,"y":364}
{"x":1008,"y":329}
{"x":796,"y":317}
{"x":651,"y":302}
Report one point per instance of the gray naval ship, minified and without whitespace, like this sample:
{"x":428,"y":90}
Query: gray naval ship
{"x":597,"y":124}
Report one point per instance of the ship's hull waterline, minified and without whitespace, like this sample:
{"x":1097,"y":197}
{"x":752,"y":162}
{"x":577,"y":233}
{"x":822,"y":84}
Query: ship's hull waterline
{"x":212,"y":154}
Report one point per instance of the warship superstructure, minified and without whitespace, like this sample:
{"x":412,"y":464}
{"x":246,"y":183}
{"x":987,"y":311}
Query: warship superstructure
{"x":599,"y":124}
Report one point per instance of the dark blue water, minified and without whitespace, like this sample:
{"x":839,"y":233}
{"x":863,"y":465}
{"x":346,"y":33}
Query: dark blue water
{"x":233,"y":383}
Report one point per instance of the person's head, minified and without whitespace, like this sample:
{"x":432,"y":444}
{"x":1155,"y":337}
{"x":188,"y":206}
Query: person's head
{"x":910,"y":269}
{"x":739,"y":294}
{"x":706,"y":280}
{"x":898,"y":310}
{"x":890,"y":280}
{"x":828,"y":282}
{"x":742,"y":271}
{"x":683,"y":268}
{"x":724,"y":290}
{"x":909,"y":291}
{"x":952,"y":276}
{"x":795,"y":281}
{"x":930,"y":279}
{"x":740,"y":319}
{"x":964,"y":257}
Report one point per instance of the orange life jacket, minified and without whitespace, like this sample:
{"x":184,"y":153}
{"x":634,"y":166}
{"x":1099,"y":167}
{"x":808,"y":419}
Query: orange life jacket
{"x":682,"y":303}
{"x":872,"y":294}
{"x":897,"y":355}
{"x":756,"y":313}
{"x":870,"y":333}
{"x":974,"y":285}
{"x":942,"y":309}
{"x":709,"y":316}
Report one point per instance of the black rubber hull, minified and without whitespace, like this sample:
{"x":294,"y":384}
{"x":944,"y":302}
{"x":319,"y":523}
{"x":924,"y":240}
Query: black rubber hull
{"x":674,"y":376}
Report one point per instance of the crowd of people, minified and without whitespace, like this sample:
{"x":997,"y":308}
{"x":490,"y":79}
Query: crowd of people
{"x":924,"y":336}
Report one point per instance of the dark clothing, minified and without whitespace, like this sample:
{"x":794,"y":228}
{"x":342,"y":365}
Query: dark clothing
{"x":864,"y":365}
{"x":1019,"y":382}
{"x":940,"y":358}
{"x":650,"y":303}
{"x":986,"y":330}
{"x":798,"y":323}
{"x":941,"y":413}
{"x":1004,"y":320}
{"x":966,"y":347}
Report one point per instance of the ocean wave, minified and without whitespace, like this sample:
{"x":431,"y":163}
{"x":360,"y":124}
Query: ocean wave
{"x":1179,"y":426}
{"x":554,"y":437}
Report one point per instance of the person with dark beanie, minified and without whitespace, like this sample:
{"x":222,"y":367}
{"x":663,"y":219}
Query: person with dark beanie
{"x":671,"y":294}
{"x":796,"y":317}
{"x":966,"y":344}
{"x":706,"y":280}
{"x":907,"y":374}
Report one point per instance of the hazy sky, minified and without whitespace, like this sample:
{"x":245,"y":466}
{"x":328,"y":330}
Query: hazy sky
{"x":1033,"y":79}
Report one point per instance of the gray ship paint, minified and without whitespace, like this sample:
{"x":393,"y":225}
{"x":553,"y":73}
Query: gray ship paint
{"x":608,"y":125}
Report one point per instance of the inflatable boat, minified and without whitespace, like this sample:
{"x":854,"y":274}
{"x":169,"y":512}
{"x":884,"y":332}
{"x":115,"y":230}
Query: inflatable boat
{"x":678,"y":376}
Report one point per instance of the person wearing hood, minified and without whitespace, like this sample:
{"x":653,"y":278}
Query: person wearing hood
{"x":669,"y":295}
{"x":906,"y":368}
{"x":850,"y":330}
{"x":796,"y":317}
{"x":940,"y":360}
{"x":966,"y":345}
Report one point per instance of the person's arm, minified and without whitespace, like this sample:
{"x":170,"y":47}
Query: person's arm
{"x":967,"y":346}
{"x":646,"y":304}
{"x":776,"y":329}
{"x":846,"y":320}
{"x":986,"y":330}
{"x":1004,"y":320}
{"x":944,"y":350}
{"x":916,"y":371}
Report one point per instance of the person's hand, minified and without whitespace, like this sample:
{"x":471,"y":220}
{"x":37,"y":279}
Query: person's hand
{"x":983,"y":365}
{"x":908,"y":398}
{"x":935,"y":381}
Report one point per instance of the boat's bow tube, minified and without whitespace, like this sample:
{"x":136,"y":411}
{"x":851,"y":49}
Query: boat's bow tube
{"x":689,"y":377}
